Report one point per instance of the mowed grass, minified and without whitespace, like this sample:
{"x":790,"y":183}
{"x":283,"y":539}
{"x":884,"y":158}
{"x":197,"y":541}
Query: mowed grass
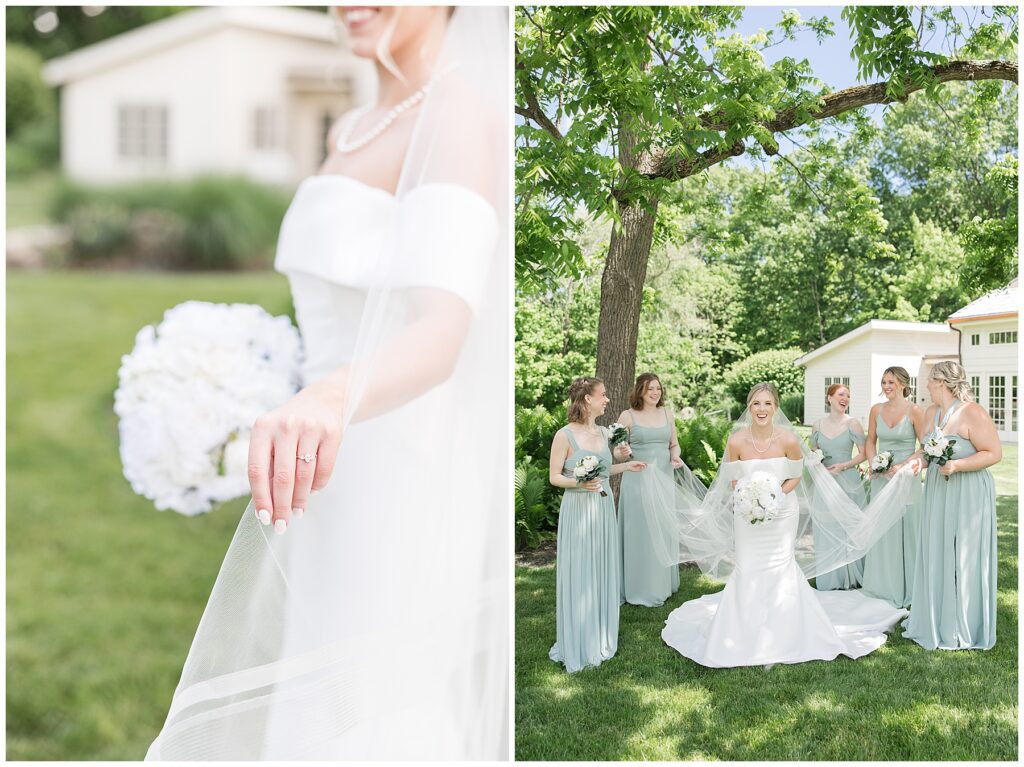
{"x":104,"y":593}
{"x":650,"y":703}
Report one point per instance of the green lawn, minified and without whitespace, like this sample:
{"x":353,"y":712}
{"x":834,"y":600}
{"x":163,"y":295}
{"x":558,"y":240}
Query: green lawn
{"x":29,"y":198}
{"x":650,"y":703}
{"x":103,"y":592}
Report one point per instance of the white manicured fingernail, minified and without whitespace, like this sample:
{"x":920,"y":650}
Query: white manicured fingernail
{"x":264,"y":516}
{"x":298,"y":512}
{"x":280,"y":526}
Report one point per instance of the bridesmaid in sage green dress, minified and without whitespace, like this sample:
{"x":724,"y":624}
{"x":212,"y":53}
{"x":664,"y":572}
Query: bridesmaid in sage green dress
{"x":953,"y":605}
{"x":652,"y":439}
{"x":893,"y":426}
{"x":847,"y":438}
{"x":588,"y":566}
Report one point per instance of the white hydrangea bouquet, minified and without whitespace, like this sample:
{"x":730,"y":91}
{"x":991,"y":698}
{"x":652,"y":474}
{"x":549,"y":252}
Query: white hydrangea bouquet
{"x":939,"y":449}
{"x":617,"y":435}
{"x":882,"y":462}
{"x":758,"y":497}
{"x":189,"y":393}
{"x":587,"y":468}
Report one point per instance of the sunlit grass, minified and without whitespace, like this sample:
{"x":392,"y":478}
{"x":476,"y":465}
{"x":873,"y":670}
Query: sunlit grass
{"x":104,"y":593}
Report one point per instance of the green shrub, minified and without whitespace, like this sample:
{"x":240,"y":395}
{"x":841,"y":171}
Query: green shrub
{"x":793,"y":407}
{"x":208,"y":223}
{"x":98,"y":230}
{"x":702,"y":444}
{"x":775,"y":366}
{"x":535,"y":517}
{"x":28,"y":98}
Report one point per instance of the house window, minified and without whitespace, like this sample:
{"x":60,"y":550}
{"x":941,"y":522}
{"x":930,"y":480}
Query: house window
{"x":264,"y":128}
{"x":142,"y":132}
{"x":1003,"y":337}
{"x":975,"y":339}
{"x":1013,"y":404}
{"x":997,"y":400}
{"x":976,"y":386}
{"x":913,"y":388}
{"x":829,"y":380}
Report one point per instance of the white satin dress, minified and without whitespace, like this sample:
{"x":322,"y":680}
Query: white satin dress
{"x":362,"y":633}
{"x":768,"y":613}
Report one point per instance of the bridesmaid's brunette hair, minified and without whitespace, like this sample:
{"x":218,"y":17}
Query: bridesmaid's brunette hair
{"x":902,"y":378}
{"x":763,"y":386}
{"x":954,"y":377}
{"x":578,"y":390}
{"x":636,"y":399}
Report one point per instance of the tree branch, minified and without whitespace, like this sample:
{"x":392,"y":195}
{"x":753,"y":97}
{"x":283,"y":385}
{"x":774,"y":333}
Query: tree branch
{"x":532,"y":110}
{"x":660,"y":165}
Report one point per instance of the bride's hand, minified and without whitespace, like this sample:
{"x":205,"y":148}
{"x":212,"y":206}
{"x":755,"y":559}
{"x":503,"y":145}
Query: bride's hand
{"x":309,"y":424}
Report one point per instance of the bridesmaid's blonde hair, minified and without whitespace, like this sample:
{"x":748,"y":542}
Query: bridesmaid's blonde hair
{"x":953,"y":377}
{"x":902,"y":378}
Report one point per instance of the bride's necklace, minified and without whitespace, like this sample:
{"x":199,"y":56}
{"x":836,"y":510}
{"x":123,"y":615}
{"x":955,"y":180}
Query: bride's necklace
{"x":347,"y":147}
{"x":771,"y":437}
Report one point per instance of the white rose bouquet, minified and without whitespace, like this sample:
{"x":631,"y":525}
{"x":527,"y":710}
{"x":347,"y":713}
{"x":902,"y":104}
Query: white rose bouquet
{"x":587,"y":468}
{"x":189,"y":393}
{"x":758,"y":497}
{"x":617,"y":435}
{"x":882,"y":462}
{"x":815,"y":456}
{"x":939,"y":449}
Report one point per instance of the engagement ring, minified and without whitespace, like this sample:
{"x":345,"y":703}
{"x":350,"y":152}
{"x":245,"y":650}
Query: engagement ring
{"x":307,"y":457}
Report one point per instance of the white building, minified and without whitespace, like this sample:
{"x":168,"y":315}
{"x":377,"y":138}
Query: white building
{"x":988,"y":351}
{"x":858,"y":359}
{"x":219,"y":90}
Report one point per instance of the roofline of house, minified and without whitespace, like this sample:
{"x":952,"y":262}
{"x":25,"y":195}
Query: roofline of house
{"x":885,"y":325}
{"x":954,"y":320}
{"x":166,"y":33}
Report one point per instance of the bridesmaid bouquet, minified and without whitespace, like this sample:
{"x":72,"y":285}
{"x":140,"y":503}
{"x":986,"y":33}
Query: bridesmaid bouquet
{"x":757,"y":497}
{"x":189,"y":393}
{"x":882,"y":462}
{"x":939,"y":449}
{"x":587,"y":468}
{"x":618,"y":434}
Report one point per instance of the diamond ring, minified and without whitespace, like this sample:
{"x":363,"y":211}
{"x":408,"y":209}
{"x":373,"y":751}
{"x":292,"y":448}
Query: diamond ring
{"x":307,"y":457}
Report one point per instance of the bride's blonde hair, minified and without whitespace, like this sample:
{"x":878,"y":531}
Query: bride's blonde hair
{"x":953,"y":376}
{"x":763,"y":386}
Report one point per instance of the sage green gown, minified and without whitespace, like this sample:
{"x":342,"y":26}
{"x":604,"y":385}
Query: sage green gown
{"x":644,"y":580}
{"x":588,"y":578}
{"x":839,"y":449}
{"x":954,"y":596}
{"x":889,"y":565}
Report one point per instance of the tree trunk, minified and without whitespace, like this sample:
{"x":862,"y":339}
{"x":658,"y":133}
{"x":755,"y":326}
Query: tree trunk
{"x":622,"y":286}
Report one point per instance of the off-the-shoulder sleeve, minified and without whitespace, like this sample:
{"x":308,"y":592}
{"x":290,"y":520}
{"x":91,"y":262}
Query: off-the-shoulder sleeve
{"x":792,"y":468}
{"x":447,"y":236}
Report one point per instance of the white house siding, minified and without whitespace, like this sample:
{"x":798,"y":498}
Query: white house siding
{"x":863,"y":360}
{"x":210,"y":84}
{"x":987,"y":361}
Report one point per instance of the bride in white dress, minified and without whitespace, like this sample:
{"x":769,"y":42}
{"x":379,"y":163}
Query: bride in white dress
{"x":361,"y":611}
{"x":768,"y":613}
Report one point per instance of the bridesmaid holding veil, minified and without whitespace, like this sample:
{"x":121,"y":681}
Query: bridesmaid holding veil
{"x":953,"y":603}
{"x":588,"y":575}
{"x":893,"y":427}
{"x":837,"y":436}
{"x":652,"y":439}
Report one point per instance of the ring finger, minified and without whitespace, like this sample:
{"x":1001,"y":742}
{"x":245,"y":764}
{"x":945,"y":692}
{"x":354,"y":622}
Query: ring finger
{"x":305,"y":468}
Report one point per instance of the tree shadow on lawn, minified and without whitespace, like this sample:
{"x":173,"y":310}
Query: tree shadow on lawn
{"x":649,"y":702}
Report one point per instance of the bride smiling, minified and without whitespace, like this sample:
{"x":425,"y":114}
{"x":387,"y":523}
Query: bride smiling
{"x":361,"y":611}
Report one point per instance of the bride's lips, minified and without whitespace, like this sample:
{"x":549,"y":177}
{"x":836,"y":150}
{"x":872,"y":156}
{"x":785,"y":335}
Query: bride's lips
{"x":356,"y":16}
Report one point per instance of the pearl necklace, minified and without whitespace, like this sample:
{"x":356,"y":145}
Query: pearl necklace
{"x":346,"y":147}
{"x":770,"y":438}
